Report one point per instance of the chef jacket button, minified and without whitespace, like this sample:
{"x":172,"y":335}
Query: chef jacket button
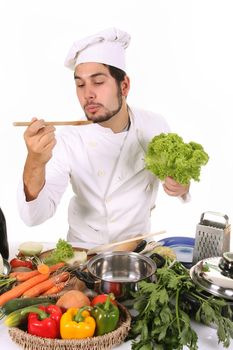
{"x":93,"y":144}
{"x":101,"y":172}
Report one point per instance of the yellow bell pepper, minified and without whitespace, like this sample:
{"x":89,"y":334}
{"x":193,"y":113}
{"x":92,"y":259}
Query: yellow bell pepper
{"x":77,"y":323}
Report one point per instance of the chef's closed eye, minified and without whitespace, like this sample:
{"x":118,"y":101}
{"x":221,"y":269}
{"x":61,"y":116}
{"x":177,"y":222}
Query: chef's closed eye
{"x":99,"y":80}
{"x":79,"y":82}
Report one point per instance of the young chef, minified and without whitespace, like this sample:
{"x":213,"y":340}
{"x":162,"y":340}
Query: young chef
{"x":104,"y":161}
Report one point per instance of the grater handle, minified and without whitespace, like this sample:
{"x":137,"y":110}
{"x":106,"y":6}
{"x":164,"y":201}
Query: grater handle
{"x":214,"y":213}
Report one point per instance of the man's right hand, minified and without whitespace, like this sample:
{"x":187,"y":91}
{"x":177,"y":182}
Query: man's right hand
{"x":40,"y":141}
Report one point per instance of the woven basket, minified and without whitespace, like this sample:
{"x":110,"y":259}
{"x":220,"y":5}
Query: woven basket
{"x":104,"y":342}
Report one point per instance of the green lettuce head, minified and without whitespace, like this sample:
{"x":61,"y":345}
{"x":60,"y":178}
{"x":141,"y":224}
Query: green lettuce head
{"x":168,"y":155}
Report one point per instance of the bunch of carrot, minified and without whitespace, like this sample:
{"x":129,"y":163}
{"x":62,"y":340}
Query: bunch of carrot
{"x":35,"y":283}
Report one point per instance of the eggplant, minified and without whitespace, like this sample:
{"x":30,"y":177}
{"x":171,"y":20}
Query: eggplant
{"x":4,"y":247}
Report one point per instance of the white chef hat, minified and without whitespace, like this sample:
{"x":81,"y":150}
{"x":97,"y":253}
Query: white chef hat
{"x":106,"y":47}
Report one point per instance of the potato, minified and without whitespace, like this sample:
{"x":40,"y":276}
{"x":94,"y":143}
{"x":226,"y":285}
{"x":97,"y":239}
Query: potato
{"x":73,"y":298}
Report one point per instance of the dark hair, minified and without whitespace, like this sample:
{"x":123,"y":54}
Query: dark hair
{"x":117,"y":73}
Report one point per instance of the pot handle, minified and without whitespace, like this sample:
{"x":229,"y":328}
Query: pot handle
{"x":158,"y":259}
{"x":140,"y":246}
{"x":86,"y":278}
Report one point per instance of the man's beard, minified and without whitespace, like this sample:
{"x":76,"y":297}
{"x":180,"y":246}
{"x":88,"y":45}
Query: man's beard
{"x":109,"y":114}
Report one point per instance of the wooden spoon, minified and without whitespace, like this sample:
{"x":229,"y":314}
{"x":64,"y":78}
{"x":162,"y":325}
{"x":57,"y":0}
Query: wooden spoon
{"x":118,"y":245}
{"x":74,"y":122}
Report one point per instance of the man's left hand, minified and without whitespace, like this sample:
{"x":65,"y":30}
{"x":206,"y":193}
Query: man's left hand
{"x":173,"y":188}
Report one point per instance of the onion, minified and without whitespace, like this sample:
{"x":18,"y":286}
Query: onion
{"x":30,"y":248}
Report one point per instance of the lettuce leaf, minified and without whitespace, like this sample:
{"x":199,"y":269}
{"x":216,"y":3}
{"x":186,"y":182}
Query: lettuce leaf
{"x":169,"y":155}
{"x":62,"y":252}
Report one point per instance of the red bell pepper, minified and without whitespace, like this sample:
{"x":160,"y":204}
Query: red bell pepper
{"x":44,"y":321}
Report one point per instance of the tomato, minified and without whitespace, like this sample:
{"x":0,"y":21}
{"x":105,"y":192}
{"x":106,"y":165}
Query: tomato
{"x":21,"y":263}
{"x":101,"y":298}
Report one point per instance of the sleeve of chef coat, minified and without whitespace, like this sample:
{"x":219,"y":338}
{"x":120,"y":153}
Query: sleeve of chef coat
{"x":44,"y":206}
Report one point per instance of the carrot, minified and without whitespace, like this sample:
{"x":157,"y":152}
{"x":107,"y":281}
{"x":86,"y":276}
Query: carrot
{"x":55,"y":267}
{"x":22,"y":276}
{"x":45,"y":285}
{"x":55,"y":289}
{"x":13,"y":274}
{"x":18,"y":290}
{"x":43,"y":268}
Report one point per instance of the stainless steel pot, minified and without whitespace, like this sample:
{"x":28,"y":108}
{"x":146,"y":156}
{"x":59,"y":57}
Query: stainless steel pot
{"x":118,"y":273}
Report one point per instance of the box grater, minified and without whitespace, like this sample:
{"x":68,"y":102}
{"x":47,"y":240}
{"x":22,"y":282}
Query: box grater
{"x":212,"y":237}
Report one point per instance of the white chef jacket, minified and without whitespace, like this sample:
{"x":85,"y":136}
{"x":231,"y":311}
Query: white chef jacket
{"x":113,"y":192}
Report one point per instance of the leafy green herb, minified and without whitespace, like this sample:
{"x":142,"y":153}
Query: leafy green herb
{"x":164,"y":312}
{"x":62,"y":252}
{"x":205,"y":267}
{"x":6,"y":283}
{"x":168,"y":155}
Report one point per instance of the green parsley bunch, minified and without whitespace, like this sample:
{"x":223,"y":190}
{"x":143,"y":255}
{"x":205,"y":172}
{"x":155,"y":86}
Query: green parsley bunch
{"x":164,"y":315}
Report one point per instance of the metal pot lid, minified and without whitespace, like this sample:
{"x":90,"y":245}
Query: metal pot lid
{"x":209,"y":276}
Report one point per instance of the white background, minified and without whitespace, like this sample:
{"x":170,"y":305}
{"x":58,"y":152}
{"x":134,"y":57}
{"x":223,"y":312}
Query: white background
{"x":180,"y":62}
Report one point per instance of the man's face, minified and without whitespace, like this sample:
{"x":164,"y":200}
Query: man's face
{"x":97,"y":91}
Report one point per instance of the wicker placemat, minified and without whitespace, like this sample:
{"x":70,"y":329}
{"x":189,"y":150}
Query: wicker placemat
{"x":104,"y":342}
